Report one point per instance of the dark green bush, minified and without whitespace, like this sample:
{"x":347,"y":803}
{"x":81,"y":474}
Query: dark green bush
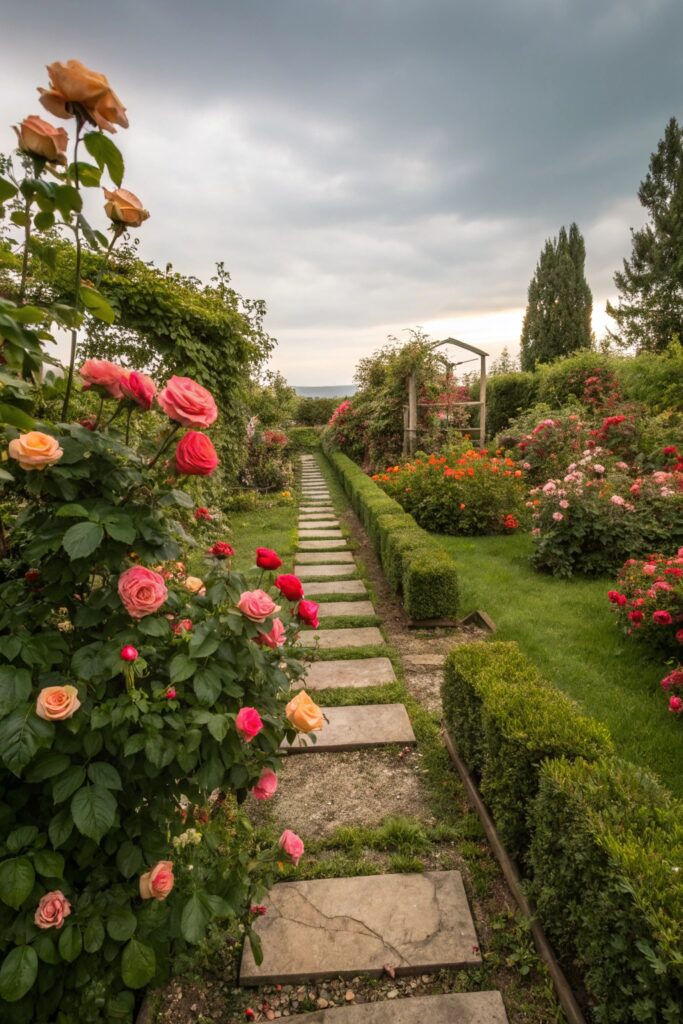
{"x":591,"y":378}
{"x":302,"y":439}
{"x":607,"y":862}
{"x":506,"y":720}
{"x":315,"y":412}
{"x":507,"y":395}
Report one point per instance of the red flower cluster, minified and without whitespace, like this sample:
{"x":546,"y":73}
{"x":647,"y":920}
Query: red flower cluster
{"x":221,"y":549}
{"x":275,"y":439}
{"x":203,"y":513}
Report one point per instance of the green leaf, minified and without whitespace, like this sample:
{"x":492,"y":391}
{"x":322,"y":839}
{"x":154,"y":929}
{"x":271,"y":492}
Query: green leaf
{"x":72,"y":511}
{"x":44,"y":220}
{"x":104,"y":774}
{"x":16,"y":881}
{"x":207,"y":686}
{"x":129,"y":859}
{"x":20,"y":837}
{"x":49,"y":864}
{"x":9,"y":648}
{"x":70,"y":943}
{"x":18,"y":972}
{"x":45,"y":948}
{"x":7,"y":190}
{"x":218,"y":727}
{"x":195,"y":919}
{"x":105,"y":154}
{"x":153,"y":625}
{"x":120,"y":528}
{"x":28,"y":315}
{"x":47,"y":765}
{"x":15,"y":688}
{"x":181,"y":668}
{"x":93,"y":936}
{"x":22,"y":734}
{"x":16,"y":417}
{"x":204,"y":640}
{"x":134,"y":743}
{"x":96,"y":304}
{"x":256,"y":947}
{"x":88,"y":175}
{"x":121,"y":924}
{"x":60,"y":827}
{"x":67,"y":784}
{"x":19,"y":218}
{"x":68,"y":200}
{"x":80,"y":540}
{"x":138,"y":964}
{"x":94,"y":811}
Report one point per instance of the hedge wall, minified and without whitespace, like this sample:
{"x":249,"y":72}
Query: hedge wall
{"x":416,"y":565}
{"x":600,"y":841}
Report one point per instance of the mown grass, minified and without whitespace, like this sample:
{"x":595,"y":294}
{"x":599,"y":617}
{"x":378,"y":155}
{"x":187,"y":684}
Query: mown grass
{"x":566,"y":627}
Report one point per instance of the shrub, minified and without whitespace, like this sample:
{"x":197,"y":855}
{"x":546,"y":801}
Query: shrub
{"x":268,"y":467}
{"x":654,"y":379}
{"x":303,"y":439}
{"x":590,"y":378}
{"x":468,"y":493}
{"x":605,"y":857}
{"x":314,"y":412}
{"x":506,"y":720}
{"x":508,"y":395}
{"x":648,"y":599}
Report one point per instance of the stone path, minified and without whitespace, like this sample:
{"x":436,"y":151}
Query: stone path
{"x":342,"y":927}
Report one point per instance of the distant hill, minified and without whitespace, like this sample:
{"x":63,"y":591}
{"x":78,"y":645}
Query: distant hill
{"x":326,"y":391}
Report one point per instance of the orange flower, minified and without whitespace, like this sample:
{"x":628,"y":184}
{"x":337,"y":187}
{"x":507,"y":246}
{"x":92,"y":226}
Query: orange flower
{"x":518,"y":472}
{"x":124,"y":207}
{"x":39,"y":138}
{"x":73,"y":86}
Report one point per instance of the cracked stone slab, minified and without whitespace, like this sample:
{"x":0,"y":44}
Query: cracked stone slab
{"x":320,"y":557}
{"x":334,"y":609}
{"x":323,"y":544}
{"x":313,"y":571}
{"x":328,"y":639}
{"x":332,"y":927}
{"x":341,"y":587}
{"x":454,"y":1008}
{"x":354,"y":727}
{"x":355,"y":673}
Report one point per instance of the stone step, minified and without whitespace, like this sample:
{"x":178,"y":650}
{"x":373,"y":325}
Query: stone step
{"x":314,"y":517}
{"x":335,"y":609}
{"x":316,"y":504}
{"x":320,"y":557}
{"x":354,"y":727}
{"x":323,"y":544}
{"x":328,"y":639}
{"x":317,"y":532}
{"x":354,"y":673}
{"x":307,"y":572}
{"x":332,"y":927}
{"x":454,"y":1008}
{"x":327,"y":526}
{"x":314,"y":492}
{"x":314,"y":589}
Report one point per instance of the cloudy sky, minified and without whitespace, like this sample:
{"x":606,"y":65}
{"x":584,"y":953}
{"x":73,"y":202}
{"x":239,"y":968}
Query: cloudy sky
{"x":366,"y":166}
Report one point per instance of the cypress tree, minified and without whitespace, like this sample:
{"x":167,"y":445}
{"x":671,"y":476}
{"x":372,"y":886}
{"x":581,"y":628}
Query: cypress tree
{"x":557,"y":321}
{"x":650,"y":309}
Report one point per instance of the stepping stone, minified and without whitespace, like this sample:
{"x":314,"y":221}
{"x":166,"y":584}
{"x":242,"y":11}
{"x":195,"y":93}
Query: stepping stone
{"x":425,"y":660}
{"x":328,"y":528}
{"x":319,"y":557}
{"x":341,"y":587}
{"x":326,"y":544}
{"x":328,"y":639}
{"x":454,"y":1008}
{"x":331,"y":609}
{"x":350,"y":728}
{"x":352,"y":674}
{"x":314,"y":517}
{"x":308,"y":572}
{"x":348,"y":926}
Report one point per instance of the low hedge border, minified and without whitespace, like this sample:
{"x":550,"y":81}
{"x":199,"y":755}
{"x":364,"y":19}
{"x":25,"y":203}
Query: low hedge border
{"x":600,"y":841}
{"x":415,"y":565}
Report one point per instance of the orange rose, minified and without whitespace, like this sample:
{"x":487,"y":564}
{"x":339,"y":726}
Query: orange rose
{"x":39,"y":138}
{"x":194,"y":585}
{"x":304,"y":714}
{"x":35,"y":450}
{"x":56,"y":703}
{"x":157,"y":883}
{"x":124,"y":207}
{"x":74,"y":85}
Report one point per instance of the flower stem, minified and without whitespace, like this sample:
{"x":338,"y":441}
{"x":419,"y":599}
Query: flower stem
{"x":77,"y":275}
{"x":24,"y":262}
{"x":105,"y":263}
{"x":111,"y":419}
{"x":99,"y":413}
{"x":128,"y":418}
{"x":165,"y":443}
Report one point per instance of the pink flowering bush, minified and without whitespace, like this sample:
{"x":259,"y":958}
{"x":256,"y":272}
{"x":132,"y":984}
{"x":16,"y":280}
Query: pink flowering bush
{"x":648,"y":601}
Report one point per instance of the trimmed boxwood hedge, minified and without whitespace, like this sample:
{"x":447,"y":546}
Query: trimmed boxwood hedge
{"x":599,"y":840}
{"x":414,"y":563}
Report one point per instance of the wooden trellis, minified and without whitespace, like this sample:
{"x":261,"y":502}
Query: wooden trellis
{"x":410,"y":428}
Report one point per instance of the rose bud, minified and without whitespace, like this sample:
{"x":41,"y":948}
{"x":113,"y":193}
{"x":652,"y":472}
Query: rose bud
{"x":292,"y":845}
{"x":32,"y":575}
{"x":267,"y":559}
{"x":129,"y":653}
{"x":290,"y":587}
{"x":124,"y":208}
{"x":304,"y":714}
{"x":38,"y":138}
{"x":171,"y":693}
{"x":248,"y":723}
{"x":308,"y":612}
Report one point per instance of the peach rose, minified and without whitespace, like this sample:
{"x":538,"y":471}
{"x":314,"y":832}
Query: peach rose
{"x":304,"y":714}
{"x":187,"y":402}
{"x":35,"y":450}
{"x":140,"y":388}
{"x":39,"y":138}
{"x":194,"y":585}
{"x":124,"y":207}
{"x":248,"y":723}
{"x":257,"y":605}
{"x":275,"y":637}
{"x":266,"y":786}
{"x":52,"y":909}
{"x":142,"y":591}
{"x":292,"y":845}
{"x":157,"y":883}
{"x":101,"y":373}
{"x":73,"y":85}
{"x":195,"y":454}
{"x":55,"y":703}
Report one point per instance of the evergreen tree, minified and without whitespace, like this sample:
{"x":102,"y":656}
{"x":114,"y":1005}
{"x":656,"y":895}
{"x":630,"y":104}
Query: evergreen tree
{"x":650,"y":309}
{"x":557,"y":321}
{"x":505,"y":363}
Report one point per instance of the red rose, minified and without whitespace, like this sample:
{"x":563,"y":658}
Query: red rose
{"x":670,"y":450}
{"x":679,"y":636}
{"x":182,"y":626}
{"x":221,"y":549}
{"x":203,"y":513}
{"x":195,"y":455}
{"x":308,"y":612}
{"x":662,"y":618}
{"x":290,"y":587}
{"x":613,"y":595}
{"x":140,"y":388}
{"x":635,"y":616}
{"x":267,"y":559}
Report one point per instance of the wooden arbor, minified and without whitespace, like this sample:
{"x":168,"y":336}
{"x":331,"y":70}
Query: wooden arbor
{"x":410,"y":410}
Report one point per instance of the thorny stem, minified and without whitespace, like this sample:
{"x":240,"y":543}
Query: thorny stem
{"x":77,"y":275}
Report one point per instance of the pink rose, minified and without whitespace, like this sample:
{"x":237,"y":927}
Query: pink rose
{"x":275,"y":637}
{"x":558,"y":517}
{"x":266,"y":785}
{"x":55,"y":703}
{"x":140,"y":388}
{"x":675,"y":705}
{"x":195,"y":454}
{"x":101,"y":373}
{"x":142,"y":591}
{"x":52,"y":909}
{"x":257,"y":605}
{"x":157,"y":883}
{"x":187,"y":402}
{"x":292,"y":845}
{"x":248,"y":723}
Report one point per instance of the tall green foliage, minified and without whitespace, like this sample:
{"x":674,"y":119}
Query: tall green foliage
{"x":649,"y":313}
{"x":558,"y":315}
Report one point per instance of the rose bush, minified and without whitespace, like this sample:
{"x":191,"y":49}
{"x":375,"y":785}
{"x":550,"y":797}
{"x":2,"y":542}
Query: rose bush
{"x":648,"y":600}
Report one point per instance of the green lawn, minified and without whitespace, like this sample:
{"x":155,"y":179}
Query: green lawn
{"x":263,"y":528}
{"x":567,"y":629}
